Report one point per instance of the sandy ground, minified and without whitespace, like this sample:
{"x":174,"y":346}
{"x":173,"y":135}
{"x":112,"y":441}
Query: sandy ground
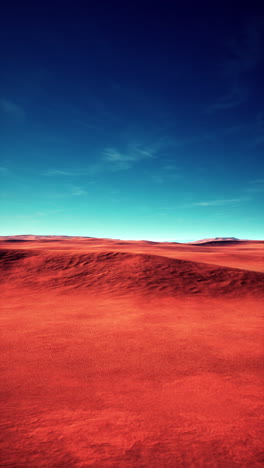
{"x":132,"y":354}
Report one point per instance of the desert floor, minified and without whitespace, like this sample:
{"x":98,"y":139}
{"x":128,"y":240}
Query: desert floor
{"x":131,"y":354}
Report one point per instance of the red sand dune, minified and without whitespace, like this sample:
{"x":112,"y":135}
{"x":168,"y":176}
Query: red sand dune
{"x":131,"y":354}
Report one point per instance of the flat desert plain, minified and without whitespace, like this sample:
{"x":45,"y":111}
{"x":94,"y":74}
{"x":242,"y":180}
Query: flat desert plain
{"x":131,"y":354}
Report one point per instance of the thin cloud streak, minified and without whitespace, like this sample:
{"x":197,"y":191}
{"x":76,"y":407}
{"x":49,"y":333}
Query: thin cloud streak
{"x":4,"y":170}
{"x":245,"y":53}
{"x":256,"y":186}
{"x":233,"y":99}
{"x":12,"y":109}
{"x":112,"y":159}
{"x":77,"y":191}
{"x":135,"y":152}
{"x":68,"y":173}
{"x":259,"y":139}
{"x":220,"y":202}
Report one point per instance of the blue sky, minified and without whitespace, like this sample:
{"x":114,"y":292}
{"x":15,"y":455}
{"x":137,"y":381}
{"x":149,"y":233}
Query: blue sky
{"x":141,"y":121}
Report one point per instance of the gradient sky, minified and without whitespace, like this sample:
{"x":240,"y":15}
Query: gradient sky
{"x":132,"y":120}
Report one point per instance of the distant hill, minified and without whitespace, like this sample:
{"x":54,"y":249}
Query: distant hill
{"x":216,"y":239}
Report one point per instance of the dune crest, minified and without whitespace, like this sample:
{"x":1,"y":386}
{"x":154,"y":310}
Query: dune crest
{"x":124,"y":272}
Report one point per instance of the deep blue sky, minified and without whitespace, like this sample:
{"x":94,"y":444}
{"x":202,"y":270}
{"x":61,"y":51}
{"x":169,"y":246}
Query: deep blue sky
{"x":133,"y":120}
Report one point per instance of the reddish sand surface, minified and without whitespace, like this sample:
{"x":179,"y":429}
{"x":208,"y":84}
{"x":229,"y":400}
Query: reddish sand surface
{"x":131,"y":354}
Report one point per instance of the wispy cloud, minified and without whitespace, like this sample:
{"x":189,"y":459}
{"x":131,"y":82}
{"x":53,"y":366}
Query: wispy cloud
{"x":87,"y":124}
{"x":256,"y":186}
{"x":135,"y":152}
{"x":126,"y":159}
{"x":157,"y":179}
{"x":112,"y":155}
{"x":229,"y":101}
{"x":168,"y":173}
{"x":68,"y":172}
{"x":259,"y":138}
{"x":244,"y":54}
{"x":77,"y":191}
{"x":258,"y":181}
{"x":233,"y":129}
{"x":114,"y":159}
{"x":58,"y":172}
{"x":12,"y":109}
{"x":245,"y":50}
{"x":223,"y":202}
{"x":4,"y":170}
{"x":39,"y":214}
{"x":260,"y":121}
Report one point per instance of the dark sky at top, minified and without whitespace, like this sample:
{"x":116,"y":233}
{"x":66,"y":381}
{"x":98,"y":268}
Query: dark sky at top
{"x":132,"y":119}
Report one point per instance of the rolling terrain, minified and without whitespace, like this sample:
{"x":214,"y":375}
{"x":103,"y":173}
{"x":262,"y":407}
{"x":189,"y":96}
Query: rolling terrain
{"x":131,"y":353}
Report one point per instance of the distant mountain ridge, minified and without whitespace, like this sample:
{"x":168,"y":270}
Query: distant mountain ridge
{"x":216,"y":239}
